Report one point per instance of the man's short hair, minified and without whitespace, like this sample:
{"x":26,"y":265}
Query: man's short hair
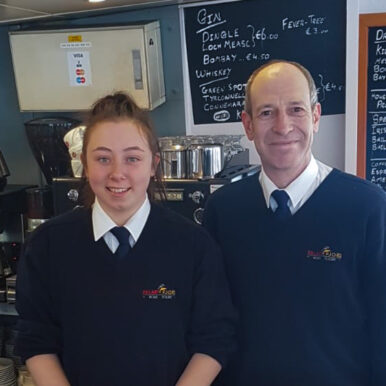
{"x":304,"y":71}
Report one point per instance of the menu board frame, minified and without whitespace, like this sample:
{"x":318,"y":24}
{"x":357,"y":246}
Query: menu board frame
{"x":366,"y":22}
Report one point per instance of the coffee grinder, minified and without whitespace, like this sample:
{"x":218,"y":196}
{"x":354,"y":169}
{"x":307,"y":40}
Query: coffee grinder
{"x":45,"y":137}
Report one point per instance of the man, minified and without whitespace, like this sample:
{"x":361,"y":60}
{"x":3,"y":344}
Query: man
{"x":307,"y":267}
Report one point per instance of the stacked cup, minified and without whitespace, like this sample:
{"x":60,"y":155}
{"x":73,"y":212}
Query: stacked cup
{"x":7,"y":372}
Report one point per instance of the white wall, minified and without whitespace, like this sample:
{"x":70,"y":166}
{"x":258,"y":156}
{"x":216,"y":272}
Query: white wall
{"x":372,"y":6}
{"x":352,"y":40}
{"x":354,"y":9}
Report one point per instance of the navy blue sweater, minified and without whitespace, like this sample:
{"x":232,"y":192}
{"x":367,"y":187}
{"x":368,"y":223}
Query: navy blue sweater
{"x":311,"y":291}
{"x":133,"y":321}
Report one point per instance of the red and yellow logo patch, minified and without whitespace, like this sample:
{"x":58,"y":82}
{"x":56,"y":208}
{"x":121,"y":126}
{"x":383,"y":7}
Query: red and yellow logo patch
{"x":325,"y":253}
{"x":162,"y":292}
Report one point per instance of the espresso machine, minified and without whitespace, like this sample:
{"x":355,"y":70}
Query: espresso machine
{"x":193,"y":167}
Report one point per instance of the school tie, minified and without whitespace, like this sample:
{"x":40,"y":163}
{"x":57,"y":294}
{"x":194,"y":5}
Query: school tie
{"x":122,"y":234}
{"x":282,"y":212}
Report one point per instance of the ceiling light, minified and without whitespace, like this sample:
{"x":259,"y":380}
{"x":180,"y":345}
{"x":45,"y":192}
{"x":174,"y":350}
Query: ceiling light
{"x":95,"y":1}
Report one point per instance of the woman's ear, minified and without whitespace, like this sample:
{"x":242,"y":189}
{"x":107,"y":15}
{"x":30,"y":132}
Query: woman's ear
{"x":156,"y":160}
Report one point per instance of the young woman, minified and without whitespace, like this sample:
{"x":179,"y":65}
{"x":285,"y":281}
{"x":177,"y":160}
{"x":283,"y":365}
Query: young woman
{"x":150,"y":307}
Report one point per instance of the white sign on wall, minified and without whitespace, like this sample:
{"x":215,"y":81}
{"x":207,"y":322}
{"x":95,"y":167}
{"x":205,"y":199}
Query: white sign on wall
{"x":79,"y":69}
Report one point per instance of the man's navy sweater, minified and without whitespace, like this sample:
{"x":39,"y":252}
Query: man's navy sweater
{"x":311,"y":291}
{"x":133,"y":321}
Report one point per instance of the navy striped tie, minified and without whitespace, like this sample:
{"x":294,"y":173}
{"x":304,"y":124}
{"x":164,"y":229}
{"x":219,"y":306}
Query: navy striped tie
{"x":122,"y":234}
{"x":282,"y":211}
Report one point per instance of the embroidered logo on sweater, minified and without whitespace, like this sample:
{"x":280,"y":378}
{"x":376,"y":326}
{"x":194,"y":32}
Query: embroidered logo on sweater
{"x":162,"y":292}
{"x":326,"y":254}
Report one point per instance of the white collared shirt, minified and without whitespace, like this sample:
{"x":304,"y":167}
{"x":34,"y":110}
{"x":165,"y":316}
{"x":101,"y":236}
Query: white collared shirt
{"x":102,"y":223}
{"x":300,"y":189}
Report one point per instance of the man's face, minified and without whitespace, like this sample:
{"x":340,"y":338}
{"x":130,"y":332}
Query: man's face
{"x":282,"y":122}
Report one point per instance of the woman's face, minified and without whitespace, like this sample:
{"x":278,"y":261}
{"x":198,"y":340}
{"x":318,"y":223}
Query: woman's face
{"x":119,"y":165}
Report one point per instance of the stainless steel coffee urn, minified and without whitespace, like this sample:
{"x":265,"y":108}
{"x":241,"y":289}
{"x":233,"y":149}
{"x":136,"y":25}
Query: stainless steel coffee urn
{"x":173,"y":161}
{"x":204,"y":160}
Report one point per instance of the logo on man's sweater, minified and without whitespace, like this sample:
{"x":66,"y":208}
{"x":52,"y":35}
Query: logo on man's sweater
{"x":325,"y":253}
{"x":162,"y":292}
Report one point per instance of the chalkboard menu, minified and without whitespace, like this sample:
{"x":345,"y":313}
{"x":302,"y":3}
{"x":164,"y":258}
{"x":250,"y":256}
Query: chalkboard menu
{"x":376,"y":107}
{"x":225,"y":42}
